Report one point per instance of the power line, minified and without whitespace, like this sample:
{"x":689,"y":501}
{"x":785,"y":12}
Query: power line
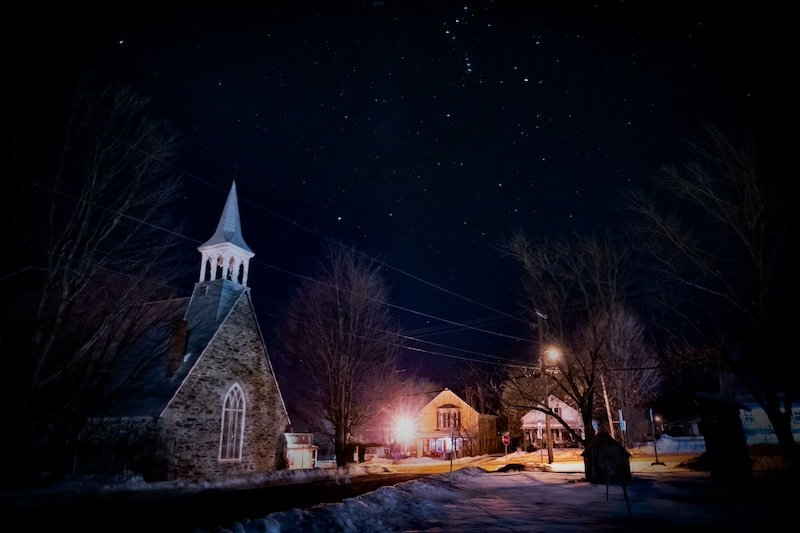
{"x":285,"y":271}
{"x":406,"y":309}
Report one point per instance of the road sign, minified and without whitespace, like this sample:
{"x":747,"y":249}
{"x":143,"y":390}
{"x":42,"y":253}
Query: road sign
{"x":506,"y":440}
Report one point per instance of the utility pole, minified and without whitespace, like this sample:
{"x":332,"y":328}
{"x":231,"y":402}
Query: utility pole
{"x":608,"y":407}
{"x":539,"y":326}
{"x":548,"y":435}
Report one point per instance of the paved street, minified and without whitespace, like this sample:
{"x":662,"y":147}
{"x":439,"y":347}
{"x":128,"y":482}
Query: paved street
{"x":205,"y":510}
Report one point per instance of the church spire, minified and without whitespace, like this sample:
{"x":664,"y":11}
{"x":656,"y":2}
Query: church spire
{"x":225,"y":254}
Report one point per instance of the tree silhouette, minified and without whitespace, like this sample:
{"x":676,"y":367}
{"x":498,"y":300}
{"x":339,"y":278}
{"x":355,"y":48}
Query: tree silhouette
{"x":723,"y":234}
{"x":341,"y":344}
{"x":85,"y":233}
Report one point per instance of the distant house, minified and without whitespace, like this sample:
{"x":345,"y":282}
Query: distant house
{"x":757,"y":427}
{"x":683,"y":427}
{"x":448,"y":424}
{"x":534,"y":423}
{"x":195,"y":396}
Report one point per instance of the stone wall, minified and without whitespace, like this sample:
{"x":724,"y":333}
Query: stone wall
{"x":236,"y":354}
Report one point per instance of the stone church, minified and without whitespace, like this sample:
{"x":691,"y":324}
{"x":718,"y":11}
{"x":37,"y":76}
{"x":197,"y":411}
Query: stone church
{"x":195,"y":397}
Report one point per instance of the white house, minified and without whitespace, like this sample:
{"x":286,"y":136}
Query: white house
{"x":757,"y":427}
{"x":534,"y":424}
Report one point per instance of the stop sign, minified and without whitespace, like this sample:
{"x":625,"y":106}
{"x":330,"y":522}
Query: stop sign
{"x":506,"y":440}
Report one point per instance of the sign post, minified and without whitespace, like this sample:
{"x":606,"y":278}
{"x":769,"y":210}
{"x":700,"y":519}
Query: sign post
{"x":506,"y":440}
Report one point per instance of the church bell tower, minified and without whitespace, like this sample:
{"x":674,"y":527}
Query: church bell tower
{"x":225,"y":254}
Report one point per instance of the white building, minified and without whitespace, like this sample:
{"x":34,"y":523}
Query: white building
{"x":534,"y":424}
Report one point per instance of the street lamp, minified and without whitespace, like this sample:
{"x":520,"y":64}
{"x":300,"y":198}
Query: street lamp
{"x":655,"y":446}
{"x":551,"y":356}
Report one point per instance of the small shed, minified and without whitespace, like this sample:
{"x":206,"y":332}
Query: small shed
{"x":300,"y":451}
{"x":606,"y":460}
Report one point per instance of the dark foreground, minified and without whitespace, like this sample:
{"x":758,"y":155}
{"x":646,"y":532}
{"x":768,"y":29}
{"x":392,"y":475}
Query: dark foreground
{"x":208,"y":510}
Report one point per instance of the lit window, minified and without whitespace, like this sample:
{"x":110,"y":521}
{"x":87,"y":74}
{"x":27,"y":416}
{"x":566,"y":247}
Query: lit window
{"x":796,"y":415}
{"x":747,"y":417}
{"x":230,"y":441}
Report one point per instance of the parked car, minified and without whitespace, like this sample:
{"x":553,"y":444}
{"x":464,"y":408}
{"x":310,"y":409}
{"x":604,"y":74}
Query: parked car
{"x":373,"y":452}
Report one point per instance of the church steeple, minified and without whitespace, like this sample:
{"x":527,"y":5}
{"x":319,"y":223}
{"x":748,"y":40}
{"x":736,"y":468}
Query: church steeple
{"x":225,"y":254}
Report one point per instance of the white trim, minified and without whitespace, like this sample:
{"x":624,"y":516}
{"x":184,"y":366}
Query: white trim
{"x":240,"y":415}
{"x":266,"y":355}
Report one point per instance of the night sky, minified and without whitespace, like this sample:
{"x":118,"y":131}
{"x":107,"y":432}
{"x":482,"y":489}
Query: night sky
{"x":422,"y":133}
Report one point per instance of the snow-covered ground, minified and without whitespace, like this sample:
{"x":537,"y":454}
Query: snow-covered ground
{"x":566,"y":460}
{"x":472,"y":499}
{"x":475,"y":496}
{"x":543,"y":497}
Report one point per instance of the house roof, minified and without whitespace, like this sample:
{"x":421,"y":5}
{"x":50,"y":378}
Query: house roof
{"x":446,"y":398}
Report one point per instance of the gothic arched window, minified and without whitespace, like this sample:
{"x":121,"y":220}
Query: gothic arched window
{"x":232,"y":433}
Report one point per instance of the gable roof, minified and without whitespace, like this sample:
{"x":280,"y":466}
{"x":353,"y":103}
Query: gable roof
{"x":447,"y":398}
{"x":171,"y":336}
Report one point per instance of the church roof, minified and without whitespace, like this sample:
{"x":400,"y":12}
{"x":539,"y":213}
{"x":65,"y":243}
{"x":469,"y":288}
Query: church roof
{"x":171,"y":336}
{"x":229,"y":228}
{"x":139,"y":381}
{"x":160,"y":342}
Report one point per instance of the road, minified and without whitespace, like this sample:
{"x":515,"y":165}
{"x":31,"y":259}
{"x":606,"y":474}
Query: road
{"x":211,"y":509}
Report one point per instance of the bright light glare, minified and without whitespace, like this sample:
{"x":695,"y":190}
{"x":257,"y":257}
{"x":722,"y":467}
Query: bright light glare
{"x":553,"y":355}
{"x":404,"y":427}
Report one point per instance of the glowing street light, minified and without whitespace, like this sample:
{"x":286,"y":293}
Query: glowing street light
{"x":553,"y":355}
{"x":404,"y":430}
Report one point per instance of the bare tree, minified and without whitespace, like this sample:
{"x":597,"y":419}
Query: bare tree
{"x":724,"y":232}
{"x":632,"y":371}
{"x":479,"y":385}
{"x":344,"y":343}
{"x":87,"y":241}
{"x":573,"y":294}
{"x":401,"y":401}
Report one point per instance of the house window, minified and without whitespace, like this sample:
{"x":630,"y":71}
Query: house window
{"x":796,"y":415}
{"x":230,"y":440}
{"x":448,"y":417}
{"x":747,"y":418}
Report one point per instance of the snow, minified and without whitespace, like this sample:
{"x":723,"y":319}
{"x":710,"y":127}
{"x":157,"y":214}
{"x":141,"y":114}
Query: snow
{"x":555,"y":497}
{"x":472,"y":499}
{"x":544,"y":497}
